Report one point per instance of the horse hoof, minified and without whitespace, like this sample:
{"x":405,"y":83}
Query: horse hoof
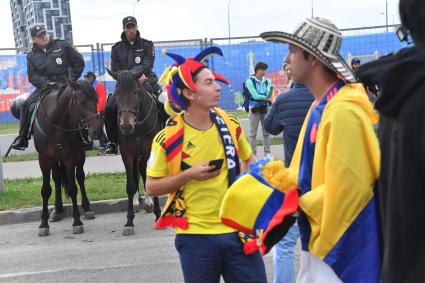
{"x":78,"y":229}
{"x":55,"y":216}
{"x":43,"y":232}
{"x":128,"y":231}
{"x":89,"y":215}
{"x":148,"y":208}
{"x":136,"y":207}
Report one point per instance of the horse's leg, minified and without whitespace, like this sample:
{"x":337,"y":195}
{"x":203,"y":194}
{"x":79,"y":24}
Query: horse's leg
{"x":81,"y":176}
{"x":57,"y":213}
{"x":129,"y":161}
{"x":149,"y":206}
{"x":46,"y":191}
{"x":148,"y":203}
{"x":77,"y":225}
{"x":136,"y":202}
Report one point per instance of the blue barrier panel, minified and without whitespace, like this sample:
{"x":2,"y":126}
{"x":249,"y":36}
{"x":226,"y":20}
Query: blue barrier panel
{"x":236,"y":65}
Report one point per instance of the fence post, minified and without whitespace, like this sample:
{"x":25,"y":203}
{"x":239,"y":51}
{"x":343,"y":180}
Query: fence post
{"x":98,"y":61}
{"x":93,"y":63}
{"x":102,"y":60}
{"x":1,"y":175}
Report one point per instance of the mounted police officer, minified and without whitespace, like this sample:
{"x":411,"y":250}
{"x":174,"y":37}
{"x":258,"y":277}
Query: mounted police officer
{"x":138,"y":55}
{"x":47,"y":66}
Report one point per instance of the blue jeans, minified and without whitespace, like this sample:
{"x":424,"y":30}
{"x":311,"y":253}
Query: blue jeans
{"x":284,"y":256}
{"x":103,"y":140}
{"x":204,"y":258}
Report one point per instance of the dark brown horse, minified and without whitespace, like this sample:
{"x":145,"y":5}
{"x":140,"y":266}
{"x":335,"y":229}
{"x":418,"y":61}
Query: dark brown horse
{"x":139,"y":121}
{"x":62,"y":116}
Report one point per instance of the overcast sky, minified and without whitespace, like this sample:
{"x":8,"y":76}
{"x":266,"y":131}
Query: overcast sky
{"x":100,"y":20}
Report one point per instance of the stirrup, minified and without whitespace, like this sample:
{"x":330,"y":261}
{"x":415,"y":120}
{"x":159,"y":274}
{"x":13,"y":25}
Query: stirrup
{"x":20,"y":144}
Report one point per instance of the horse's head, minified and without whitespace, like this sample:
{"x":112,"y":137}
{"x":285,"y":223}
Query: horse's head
{"x":83,"y":107}
{"x":127,"y":95}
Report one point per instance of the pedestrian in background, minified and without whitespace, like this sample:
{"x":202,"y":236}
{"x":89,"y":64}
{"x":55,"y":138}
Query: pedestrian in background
{"x":101,"y":95}
{"x":260,"y":90}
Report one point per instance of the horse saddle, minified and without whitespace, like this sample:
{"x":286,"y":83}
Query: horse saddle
{"x":33,"y":107}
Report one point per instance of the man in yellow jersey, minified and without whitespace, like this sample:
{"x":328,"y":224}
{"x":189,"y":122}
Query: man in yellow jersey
{"x":201,"y":134}
{"x":336,"y":161}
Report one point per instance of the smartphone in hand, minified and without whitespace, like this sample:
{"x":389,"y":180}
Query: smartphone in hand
{"x":217,"y":163}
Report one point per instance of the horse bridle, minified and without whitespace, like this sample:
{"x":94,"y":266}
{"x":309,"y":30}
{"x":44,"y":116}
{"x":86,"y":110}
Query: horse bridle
{"x":81,"y":124}
{"x":135,"y":113}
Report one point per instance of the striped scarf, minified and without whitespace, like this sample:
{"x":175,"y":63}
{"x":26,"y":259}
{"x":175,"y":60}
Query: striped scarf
{"x":174,"y":211}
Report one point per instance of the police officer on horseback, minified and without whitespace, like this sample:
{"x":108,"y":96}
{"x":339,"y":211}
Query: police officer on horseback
{"x":138,"y":55}
{"x":47,"y":66}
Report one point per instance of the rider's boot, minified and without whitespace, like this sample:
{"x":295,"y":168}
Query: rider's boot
{"x":22,"y":142}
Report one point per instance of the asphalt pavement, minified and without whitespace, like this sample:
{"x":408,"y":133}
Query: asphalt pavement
{"x":100,"y":254}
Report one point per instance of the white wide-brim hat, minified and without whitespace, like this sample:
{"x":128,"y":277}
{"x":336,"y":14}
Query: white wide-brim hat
{"x":321,"y":38}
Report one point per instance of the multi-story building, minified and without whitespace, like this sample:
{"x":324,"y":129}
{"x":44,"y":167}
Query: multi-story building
{"x":55,"y":15}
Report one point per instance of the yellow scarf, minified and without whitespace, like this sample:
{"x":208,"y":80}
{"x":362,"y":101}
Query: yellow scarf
{"x":174,"y":211}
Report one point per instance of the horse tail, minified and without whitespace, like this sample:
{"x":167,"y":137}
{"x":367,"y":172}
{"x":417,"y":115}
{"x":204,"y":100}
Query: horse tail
{"x":64,"y":179}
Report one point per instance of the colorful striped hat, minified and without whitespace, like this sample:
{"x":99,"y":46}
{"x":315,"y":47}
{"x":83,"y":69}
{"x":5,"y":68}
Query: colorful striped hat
{"x":179,"y":75}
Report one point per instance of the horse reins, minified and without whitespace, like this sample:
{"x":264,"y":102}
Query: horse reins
{"x":78,"y":129}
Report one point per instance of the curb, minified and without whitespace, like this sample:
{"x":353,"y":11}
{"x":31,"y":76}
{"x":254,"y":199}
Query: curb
{"x":24,"y":215}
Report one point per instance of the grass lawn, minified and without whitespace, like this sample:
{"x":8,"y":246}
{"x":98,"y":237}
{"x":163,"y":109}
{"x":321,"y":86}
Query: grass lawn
{"x":240,"y":114}
{"x":273,"y":141}
{"x":34,"y":156}
{"x":23,"y":193}
{"x":6,"y":129}
{"x":9,"y":127}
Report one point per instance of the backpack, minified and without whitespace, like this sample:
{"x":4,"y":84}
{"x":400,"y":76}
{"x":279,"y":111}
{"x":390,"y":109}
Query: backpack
{"x":247,"y":95}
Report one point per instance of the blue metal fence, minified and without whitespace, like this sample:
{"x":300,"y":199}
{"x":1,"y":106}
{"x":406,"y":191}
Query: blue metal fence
{"x":240,"y":55}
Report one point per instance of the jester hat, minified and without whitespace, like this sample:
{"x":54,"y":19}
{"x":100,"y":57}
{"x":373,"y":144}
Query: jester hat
{"x":179,"y":75}
{"x":252,"y":205}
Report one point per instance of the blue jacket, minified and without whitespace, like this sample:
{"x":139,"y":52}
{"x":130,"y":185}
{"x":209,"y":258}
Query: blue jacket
{"x":287,"y":114}
{"x":260,"y":91}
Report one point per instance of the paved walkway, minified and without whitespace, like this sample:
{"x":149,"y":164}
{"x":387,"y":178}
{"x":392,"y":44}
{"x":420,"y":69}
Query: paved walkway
{"x":95,"y":164}
{"x":100,"y":254}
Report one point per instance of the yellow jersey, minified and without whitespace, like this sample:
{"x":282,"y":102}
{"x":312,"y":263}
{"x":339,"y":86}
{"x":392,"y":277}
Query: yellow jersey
{"x":203,"y":198}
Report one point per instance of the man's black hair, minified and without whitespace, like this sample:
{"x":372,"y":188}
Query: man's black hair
{"x":90,"y":74}
{"x":194,"y":78}
{"x":260,"y":66}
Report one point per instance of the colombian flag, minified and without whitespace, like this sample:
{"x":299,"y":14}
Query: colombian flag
{"x":339,"y":220}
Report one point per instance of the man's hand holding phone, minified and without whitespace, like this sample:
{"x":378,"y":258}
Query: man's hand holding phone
{"x":217,"y":163}
{"x":205,"y":170}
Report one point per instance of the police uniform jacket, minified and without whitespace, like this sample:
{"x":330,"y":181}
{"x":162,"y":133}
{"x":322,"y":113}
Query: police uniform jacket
{"x":138,"y":57}
{"x":52,"y":64}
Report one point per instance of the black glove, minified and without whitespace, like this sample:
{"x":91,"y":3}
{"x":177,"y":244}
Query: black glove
{"x":50,"y":85}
